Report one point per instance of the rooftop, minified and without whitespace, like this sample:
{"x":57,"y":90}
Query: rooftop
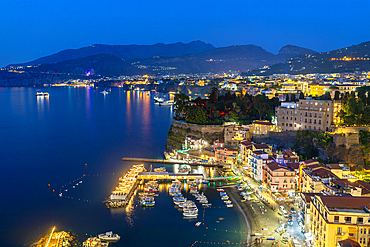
{"x":345,"y":202}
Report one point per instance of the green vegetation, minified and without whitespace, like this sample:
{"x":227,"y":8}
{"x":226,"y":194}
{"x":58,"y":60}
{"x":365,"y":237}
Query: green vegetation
{"x":307,"y":143}
{"x":355,"y":111}
{"x":219,"y":109}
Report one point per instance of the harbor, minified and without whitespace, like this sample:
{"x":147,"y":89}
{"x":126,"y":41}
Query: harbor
{"x":173,"y":161}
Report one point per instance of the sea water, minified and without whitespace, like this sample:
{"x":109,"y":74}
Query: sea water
{"x":79,"y":134}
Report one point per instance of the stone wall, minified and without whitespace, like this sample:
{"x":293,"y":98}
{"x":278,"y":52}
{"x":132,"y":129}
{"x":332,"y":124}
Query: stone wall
{"x":346,"y":139}
{"x":277,"y":139}
{"x":198,"y":127}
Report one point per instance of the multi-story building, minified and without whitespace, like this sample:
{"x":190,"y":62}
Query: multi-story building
{"x":279,"y":178}
{"x":309,"y":114}
{"x":257,"y":161}
{"x":335,"y":218}
{"x":226,"y":155}
{"x":234,"y":134}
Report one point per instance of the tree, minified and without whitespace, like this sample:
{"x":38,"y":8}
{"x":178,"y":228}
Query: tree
{"x":181,"y":102}
{"x":261,"y":105}
{"x":201,"y":116}
{"x":214,"y":94}
{"x":336,"y":95}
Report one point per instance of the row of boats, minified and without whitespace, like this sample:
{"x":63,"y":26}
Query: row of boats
{"x":189,"y":208}
{"x":147,"y":198}
{"x":225,"y":198}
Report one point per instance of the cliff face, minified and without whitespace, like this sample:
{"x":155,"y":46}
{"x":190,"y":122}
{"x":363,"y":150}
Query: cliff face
{"x":179,"y":130}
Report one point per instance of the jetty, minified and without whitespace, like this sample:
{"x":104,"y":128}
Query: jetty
{"x":126,"y":187}
{"x":172,"y":161}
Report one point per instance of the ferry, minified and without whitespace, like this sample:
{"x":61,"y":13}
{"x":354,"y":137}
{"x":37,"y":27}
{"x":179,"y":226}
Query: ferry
{"x":42,"y":94}
{"x":109,"y":236}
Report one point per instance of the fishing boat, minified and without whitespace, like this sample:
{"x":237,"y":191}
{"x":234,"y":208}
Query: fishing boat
{"x":109,"y":236}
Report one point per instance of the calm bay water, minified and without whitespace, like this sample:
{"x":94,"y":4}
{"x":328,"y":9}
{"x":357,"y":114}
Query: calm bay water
{"x":49,"y":140}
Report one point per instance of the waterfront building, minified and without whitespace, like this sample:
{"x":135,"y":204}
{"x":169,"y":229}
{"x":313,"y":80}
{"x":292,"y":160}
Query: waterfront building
{"x":336,"y":218}
{"x":261,"y":127}
{"x":308,"y":114}
{"x":257,"y":161}
{"x":226,"y":155}
{"x":279,"y":178}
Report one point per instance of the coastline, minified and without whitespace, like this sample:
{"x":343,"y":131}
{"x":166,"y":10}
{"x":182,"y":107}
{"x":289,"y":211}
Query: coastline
{"x":246,"y":214}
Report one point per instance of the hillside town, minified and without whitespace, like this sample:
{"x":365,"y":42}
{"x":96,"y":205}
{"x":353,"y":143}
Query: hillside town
{"x":290,"y":157}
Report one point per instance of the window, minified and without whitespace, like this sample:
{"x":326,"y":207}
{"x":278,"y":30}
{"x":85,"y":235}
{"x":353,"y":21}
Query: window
{"x":347,"y":219}
{"x":310,"y":114}
{"x":360,"y":221}
{"x":339,"y":230}
{"x":315,"y":114}
{"x":336,"y":219}
{"x":314,"y":121}
{"x":305,"y":114}
{"x":319,"y":121}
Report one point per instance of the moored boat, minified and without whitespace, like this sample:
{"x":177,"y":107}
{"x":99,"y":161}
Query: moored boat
{"x":109,"y":236}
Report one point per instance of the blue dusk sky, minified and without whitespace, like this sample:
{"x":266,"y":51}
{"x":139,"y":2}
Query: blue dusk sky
{"x":32,"y":29}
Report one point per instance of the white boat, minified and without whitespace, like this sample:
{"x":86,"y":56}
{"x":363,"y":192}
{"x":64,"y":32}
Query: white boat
{"x":198,"y":223}
{"x":167,"y":103}
{"x":109,"y":236}
{"x":157,"y":99}
{"x":160,"y":169}
{"x":104,"y":92}
{"x":41,"y":94}
{"x":186,"y":214}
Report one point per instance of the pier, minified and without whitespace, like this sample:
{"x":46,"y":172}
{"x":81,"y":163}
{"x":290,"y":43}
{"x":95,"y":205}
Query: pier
{"x":126,"y":187}
{"x":167,"y":176}
{"x":190,"y":163}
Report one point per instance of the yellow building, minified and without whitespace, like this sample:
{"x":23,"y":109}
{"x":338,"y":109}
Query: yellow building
{"x":335,"y":218}
{"x":262,"y":127}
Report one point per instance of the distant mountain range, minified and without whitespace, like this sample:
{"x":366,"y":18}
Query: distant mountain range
{"x":348,"y":59}
{"x":125,"y":52}
{"x":193,"y":57}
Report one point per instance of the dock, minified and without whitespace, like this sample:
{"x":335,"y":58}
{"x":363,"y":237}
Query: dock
{"x":126,"y":188}
{"x":170,"y":161}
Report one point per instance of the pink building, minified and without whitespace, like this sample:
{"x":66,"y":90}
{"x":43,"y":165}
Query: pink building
{"x":279,"y":178}
{"x":226,"y":155}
